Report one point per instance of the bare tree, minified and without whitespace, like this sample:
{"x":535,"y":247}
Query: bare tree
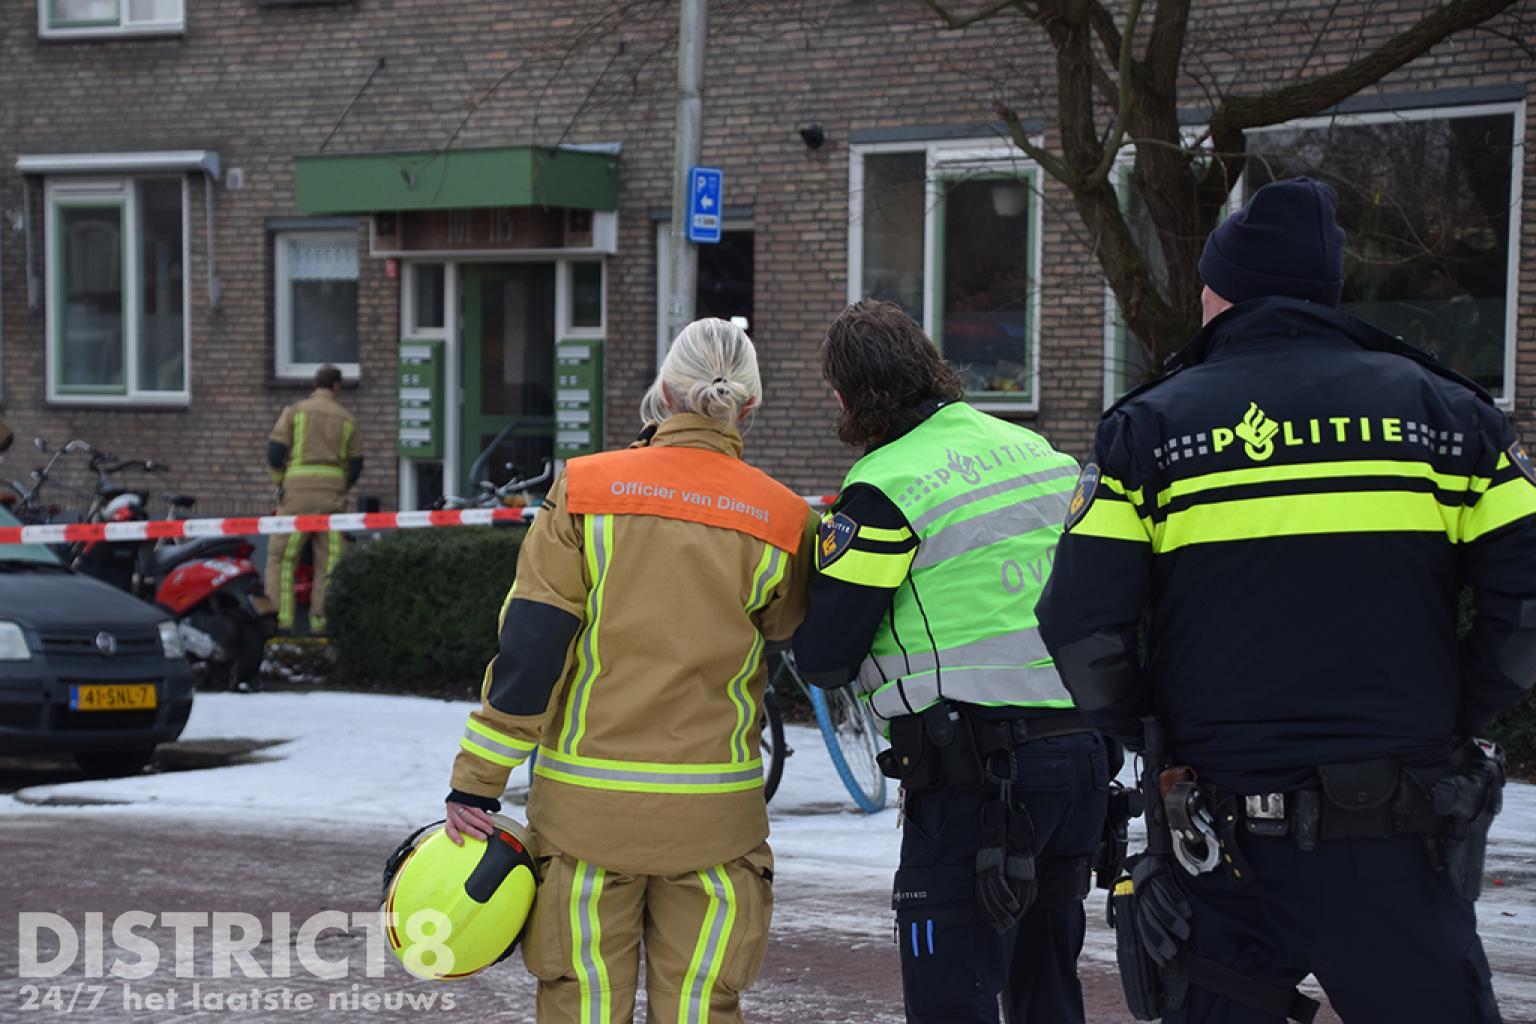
{"x":1122,"y":69}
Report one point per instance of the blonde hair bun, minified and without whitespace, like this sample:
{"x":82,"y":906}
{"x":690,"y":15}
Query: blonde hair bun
{"x":710,"y":370}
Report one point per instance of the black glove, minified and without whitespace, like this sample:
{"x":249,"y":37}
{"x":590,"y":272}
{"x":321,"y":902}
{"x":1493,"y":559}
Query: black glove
{"x":485,"y":803}
{"x":1162,"y":912}
{"x":1005,"y":864}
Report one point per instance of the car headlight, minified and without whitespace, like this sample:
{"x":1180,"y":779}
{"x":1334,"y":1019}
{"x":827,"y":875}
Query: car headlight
{"x":13,"y":643}
{"x":170,"y":640}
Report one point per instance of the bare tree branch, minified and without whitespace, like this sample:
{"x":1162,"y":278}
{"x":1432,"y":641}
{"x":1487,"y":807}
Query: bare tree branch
{"x":1242,"y":112}
{"x":1053,"y":165}
{"x":1165,"y":45}
{"x":1317,"y":39}
{"x":1105,"y":28}
{"x":1126,"y":101}
{"x":957,"y":22}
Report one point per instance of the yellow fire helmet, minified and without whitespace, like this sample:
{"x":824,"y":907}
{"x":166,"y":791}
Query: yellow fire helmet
{"x":452,"y":911}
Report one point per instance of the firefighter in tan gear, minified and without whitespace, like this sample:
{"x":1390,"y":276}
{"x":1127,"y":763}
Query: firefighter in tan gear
{"x":315,"y":457}
{"x":631,"y":657}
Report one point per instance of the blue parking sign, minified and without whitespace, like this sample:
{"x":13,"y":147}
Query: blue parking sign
{"x":704,"y":213}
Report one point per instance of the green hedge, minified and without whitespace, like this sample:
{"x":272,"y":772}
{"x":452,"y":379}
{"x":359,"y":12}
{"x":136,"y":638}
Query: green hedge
{"x":417,"y":611}
{"x":1515,"y":729}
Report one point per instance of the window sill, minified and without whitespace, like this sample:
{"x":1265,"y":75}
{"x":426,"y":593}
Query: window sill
{"x":286,"y":382}
{"x":1004,"y":409}
{"x":298,"y":372}
{"x":172,"y":402}
{"x":67,"y":35}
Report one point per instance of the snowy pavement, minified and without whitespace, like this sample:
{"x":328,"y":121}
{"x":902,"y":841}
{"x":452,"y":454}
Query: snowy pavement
{"x":381,"y":762}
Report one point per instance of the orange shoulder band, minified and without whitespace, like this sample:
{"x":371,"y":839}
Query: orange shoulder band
{"x":690,"y":484}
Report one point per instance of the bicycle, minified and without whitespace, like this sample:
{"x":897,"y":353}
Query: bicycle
{"x":847,"y":726}
{"x":517,"y":492}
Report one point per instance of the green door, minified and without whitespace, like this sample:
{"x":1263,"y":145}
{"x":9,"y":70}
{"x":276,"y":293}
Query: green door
{"x":508,"y":369}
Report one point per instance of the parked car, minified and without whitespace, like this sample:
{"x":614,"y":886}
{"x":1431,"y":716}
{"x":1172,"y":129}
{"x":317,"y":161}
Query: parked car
{"x":85,"y":669}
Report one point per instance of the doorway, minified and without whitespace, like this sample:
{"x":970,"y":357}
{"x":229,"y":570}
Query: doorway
{"x":508,"y":371}
{"x":724,"y":282}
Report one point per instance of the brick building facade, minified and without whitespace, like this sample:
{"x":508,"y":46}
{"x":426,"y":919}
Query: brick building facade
{"x":103,"y":117}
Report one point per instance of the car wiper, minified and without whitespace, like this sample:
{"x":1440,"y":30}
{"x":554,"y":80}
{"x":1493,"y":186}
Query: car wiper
{"x":27,"y":563}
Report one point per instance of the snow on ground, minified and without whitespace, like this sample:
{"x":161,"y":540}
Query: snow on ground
{"x":383,"y":761}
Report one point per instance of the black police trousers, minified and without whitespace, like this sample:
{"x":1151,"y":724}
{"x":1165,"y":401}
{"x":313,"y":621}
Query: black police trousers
{"x":1382,"y":930}
{"x":954,"y":964}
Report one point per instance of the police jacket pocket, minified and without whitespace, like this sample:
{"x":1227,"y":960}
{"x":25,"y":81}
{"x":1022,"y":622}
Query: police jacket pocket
{"x":1360,"y":797}
{"x":547,"y":940}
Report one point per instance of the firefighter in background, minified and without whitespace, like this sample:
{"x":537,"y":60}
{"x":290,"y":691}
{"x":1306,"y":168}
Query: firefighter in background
{"x":315,"y":457}
{"x":631,"y":657}
{"x":929,"y":565}
{"x":1267,"y":550}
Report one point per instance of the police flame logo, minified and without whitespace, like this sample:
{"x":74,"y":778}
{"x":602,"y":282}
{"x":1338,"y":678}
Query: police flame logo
{"x":1257,"y":432}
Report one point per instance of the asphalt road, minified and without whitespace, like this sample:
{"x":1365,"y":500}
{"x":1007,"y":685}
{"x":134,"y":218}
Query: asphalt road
{"x":80,"y":863}
{"x":84,"y":862}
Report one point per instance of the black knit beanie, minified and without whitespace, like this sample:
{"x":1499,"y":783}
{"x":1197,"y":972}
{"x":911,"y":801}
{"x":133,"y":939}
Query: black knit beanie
{"x":1285,"y":241}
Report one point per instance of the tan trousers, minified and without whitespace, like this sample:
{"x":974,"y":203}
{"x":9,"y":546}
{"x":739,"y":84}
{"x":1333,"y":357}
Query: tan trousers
{"x":704,"y":935}
{"x":284,"y":552}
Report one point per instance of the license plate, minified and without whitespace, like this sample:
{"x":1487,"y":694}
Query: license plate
{"x":263,"y":604}
{"x":112,"y":697}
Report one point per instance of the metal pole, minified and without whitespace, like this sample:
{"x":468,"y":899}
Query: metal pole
{"x":684,"y":255}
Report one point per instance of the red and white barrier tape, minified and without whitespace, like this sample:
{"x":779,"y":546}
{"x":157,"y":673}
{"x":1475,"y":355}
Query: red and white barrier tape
{"x":349,"y":522}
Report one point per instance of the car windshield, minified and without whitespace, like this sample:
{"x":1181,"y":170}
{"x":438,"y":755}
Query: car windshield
{"x":23,"y":552}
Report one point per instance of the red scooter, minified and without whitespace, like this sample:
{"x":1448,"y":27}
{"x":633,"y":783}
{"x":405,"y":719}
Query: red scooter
{"x":210,"y":584}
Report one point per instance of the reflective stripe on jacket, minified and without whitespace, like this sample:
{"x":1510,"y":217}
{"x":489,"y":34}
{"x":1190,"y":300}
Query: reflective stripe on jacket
{"x":1273,"y":545}
{"x":984,"y":501}
{"x":672,"y":564}
{"x":320,"y":435}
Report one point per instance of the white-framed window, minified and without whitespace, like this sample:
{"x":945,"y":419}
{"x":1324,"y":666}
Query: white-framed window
{"x":118,"y":329}
{"x":582,"y":297}
{"x":951,"y":232}
{"x":315,"y":316}
{"x":424,"y":300}
{"x":1430,"y":203}
{"x":65,"y":18}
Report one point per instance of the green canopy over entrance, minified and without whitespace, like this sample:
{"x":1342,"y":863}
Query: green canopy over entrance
{"x":457,"y":179}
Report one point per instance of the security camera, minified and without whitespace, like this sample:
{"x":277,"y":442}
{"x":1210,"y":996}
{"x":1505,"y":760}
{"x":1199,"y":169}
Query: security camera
{"x":813,"y":135}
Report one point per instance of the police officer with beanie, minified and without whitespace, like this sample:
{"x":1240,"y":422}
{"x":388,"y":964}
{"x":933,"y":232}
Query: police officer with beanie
{"x":929,"y":565}
{"x":1266,"y":552}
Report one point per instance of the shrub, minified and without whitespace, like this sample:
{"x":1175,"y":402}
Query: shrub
{"x":417,"y":611}
{"x":1515,"y":729}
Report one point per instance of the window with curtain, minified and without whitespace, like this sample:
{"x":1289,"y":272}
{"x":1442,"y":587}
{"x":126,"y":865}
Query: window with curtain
{"x":316,"y":292}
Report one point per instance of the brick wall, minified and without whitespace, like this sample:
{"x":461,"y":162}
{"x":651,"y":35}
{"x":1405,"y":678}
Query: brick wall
{"x":260,"y":85}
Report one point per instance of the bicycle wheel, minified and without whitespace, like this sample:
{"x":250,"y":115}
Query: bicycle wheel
{"x":852,"y":739}
{"x":774,"y":747}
